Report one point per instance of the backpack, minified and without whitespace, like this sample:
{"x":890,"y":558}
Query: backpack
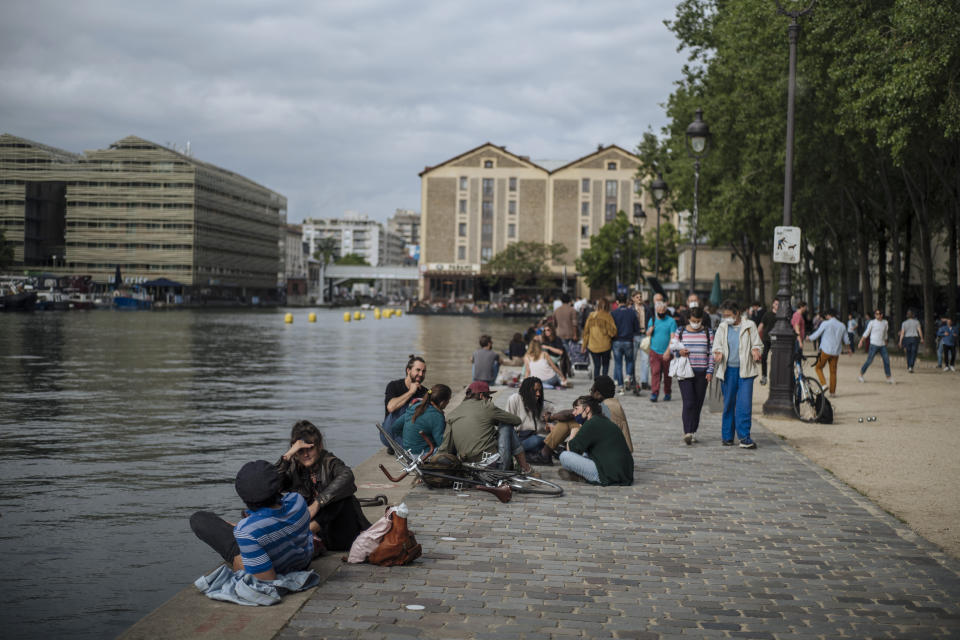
{"x":398,"y":546}
{"x":826,"y":415}
{"x":446,"y":463}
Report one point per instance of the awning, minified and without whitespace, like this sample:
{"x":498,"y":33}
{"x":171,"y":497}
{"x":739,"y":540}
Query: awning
{"x":162,"y":282}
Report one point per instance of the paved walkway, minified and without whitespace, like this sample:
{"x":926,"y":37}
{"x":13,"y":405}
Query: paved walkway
{"x":710,"y":542}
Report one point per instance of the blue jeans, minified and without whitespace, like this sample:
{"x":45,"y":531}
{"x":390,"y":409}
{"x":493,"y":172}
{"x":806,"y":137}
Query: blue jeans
{"x":496,"y":372}
{"x":642,"y":360}
{"x":533,"y":444}
{"x":622,"y":355}
{"x":580,"y":465}
{"x":601,"y":363}
{"x":737,"y":405}
{"x":393,"y":424}
{"x":911,"y":346}
{"x":508,"y":445}
{"x":883,"y":354}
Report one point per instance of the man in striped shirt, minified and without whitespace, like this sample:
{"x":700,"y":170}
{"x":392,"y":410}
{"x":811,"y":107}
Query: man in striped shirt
{"x":274,"y":538}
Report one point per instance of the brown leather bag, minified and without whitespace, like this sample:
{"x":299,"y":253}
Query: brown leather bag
{"x":398,"y":545}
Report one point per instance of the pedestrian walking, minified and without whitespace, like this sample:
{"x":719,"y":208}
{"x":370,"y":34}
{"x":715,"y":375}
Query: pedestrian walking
{"x":948,"y":338}
{"x":660,"y":328}
{"x":911,"y":337}
{"x":625,"y":319}
{"x":876,"y":331}
{"x":694,"y":342}
{"x":736,"y":353}
{"x":852,"y":325}
{"x":598,"y":331}
{"x":767,"y":321}
{"x":641,"y":360}
{"x":832,"y":335}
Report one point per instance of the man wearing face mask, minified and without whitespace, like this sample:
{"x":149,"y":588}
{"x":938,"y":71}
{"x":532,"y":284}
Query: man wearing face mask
{"x":660,"y":328}
{"x":693,"y":301}
{"x":736,"y":353}
{"x":599,"y":452}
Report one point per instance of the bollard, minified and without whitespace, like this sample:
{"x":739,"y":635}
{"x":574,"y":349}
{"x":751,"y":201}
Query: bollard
{"x":346,"y":316}
{"x":376,"y":313}
{"x":398,"y":312}
{"x":312,"y":317}
{"x":288,"y":318}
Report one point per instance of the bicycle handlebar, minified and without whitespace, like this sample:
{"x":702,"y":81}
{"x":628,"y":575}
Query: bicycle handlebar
{"x":427,"y":439}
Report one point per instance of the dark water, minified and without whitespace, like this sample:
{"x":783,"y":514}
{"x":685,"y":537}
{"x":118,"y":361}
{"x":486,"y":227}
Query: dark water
{"x":115,"y":427}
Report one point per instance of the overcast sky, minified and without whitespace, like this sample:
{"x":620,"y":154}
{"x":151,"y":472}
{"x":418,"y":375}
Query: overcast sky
{"x":337,"y":105}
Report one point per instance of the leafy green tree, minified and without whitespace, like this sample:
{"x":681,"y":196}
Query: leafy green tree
{"x":327,"y":251}
{"x":352,"y":259}
{"x":599,"y":264}
{"x":6,"y":251}
{"x":526,"y":263}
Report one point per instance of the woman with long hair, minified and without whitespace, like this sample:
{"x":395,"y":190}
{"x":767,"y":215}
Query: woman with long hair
{"x":426,"y":415}
{"x":321,"y":477}
{"x":598,"y":333}
{"x":534,"y":410}
{"x":538,"y":364}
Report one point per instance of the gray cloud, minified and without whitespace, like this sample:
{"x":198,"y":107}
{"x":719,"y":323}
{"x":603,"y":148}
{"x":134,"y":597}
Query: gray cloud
{"x":337,"y":105}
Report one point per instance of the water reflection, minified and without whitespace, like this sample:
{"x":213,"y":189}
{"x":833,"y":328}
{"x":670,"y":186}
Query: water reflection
{"x":114,"y":427}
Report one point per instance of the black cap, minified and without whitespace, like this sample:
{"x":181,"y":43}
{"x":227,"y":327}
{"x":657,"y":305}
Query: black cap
{"x":257,"y":482}
{"x":605,"y":386}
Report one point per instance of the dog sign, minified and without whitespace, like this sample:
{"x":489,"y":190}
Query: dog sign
{"x":786,"y":244}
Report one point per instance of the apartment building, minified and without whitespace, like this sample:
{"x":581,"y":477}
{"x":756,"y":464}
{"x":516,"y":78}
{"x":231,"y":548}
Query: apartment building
{"x":476,"y":204}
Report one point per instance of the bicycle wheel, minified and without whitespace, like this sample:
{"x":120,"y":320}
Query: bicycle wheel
{"x":808,"y":400}
{"x":522,"y":483}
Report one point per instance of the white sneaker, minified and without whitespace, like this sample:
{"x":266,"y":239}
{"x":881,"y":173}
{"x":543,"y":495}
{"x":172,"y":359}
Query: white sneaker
{"x":952,"y":369}
{"x":620,"y":390}
{"x":890,"y":381}
{"x":910,"y":369}
{"x":688,"y":438}
{"x":860,"y":378}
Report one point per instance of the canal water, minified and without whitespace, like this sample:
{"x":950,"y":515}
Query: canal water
{"x":115,"y":427}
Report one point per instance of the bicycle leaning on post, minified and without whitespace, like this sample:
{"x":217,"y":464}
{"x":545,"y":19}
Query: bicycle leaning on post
{"x":808,"y":399}
{"x":466,"y":475}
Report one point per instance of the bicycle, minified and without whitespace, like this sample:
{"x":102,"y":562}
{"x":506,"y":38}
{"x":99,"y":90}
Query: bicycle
{"x":807,"y":392}
{"x":469,"y":475}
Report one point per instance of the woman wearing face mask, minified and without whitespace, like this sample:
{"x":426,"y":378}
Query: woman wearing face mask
{"x":660,"y":328}
{"x":695,"y":341}
{"x":736,"y":354}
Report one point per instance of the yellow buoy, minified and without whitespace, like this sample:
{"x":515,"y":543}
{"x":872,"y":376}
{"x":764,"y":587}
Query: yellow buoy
{"x":356,"y":315}
{"x":363,"y":315}
{"x":346,"y":316}
{"x":376,"y":313}
{"x":288,"y":318}
{"x":312,"y":317}
{"x":386,"y":313}
{"x":398,"y":312}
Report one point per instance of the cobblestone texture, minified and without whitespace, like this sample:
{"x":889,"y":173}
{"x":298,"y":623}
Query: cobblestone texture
{"x":709,"y":542}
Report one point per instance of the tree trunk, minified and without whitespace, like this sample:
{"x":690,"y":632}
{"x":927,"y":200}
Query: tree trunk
{"x":866,"y":288}
{"x":952,"y":267}
{"x":808,"y":273}
{"x":882,"y":272}
{"x":761,"y":283}
{"x":747,"y":270}
{"x":895,"y":226}
{"x":907,"y":255}
{"x":918,"y":189}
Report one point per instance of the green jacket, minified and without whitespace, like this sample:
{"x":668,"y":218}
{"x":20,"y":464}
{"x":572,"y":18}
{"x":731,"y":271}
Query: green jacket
{"x":603,"y":441}
{"x":472,"y":429}
{"x":431,"y":423}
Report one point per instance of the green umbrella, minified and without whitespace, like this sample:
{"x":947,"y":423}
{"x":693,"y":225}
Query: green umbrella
{"x":715,"y":292}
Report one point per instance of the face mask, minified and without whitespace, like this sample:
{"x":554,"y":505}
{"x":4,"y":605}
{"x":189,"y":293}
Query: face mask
{"x":580,"y":418}
{"x":695,"y":325}
{"x":694,"y":304}
{"x":728,"y":318}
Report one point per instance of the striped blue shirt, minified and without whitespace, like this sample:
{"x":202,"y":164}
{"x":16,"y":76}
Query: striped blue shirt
{"x":277,"y":539}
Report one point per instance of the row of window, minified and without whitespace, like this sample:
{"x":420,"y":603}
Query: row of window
{"x":486,"y":229}
{"x":488,"y":185}
{"x":100,"y":224}
{"x":487,"y":207}
{"x":131,"y":245}
{"x":127,"y":267}
{"x":132,"y":205}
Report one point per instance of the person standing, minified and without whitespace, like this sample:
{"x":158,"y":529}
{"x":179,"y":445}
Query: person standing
{"x":598,"y":331}
{"x":852,"y":330}
{"x":736,"y":352}
{"x":641,"y":360}
{"x":625,"y":318}
{"x":911,"y":337}
{"x":767,"y":322}
{"x":948,"y":338}
{"x":565,"y":318}
{"x":876,"y":331}
{"x":660,"y":328}
{"x":400,"y":393}
{"x":695,"y":340}
{"x":832,"y":335}
{"x":486,"y":361}
{"x":799,"y":323}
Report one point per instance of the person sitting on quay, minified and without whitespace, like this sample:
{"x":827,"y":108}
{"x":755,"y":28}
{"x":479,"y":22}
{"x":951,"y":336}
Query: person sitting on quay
{"x":486,"y":361}
{"x":535,"y":413}
{"x":517,"y":347}
{"x":598,"y":453}
{"x":553,"y":346}
{"x":426,"y":415}
{"x":326,"y":483}
{"x":478,"y":427}
{"x":274,"y":538}
{"x":398,"y":395}
{"x":538,"y":364}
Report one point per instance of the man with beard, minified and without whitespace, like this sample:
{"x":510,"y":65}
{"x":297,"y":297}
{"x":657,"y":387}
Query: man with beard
{"x":398,"y":395}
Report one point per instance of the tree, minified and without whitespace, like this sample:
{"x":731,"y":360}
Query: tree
{"x":352,"y":259}
{"x":328,"y":250}
{"x":524,"y":262}
{"x":6,"y":251}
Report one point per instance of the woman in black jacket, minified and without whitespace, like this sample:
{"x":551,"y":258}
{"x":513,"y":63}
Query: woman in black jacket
{"x":319,"y":476}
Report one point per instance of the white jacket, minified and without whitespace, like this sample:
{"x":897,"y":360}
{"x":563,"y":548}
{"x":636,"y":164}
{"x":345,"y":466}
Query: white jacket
{"x":749,"y":340}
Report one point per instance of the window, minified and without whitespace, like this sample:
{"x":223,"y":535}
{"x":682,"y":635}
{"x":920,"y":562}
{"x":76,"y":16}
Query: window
{"x":585,"y":185}
{"x":461,"y":253}
{"x":485,"y":254}
{"x":462,"y":230}
{"x":637,"y":187}
{"x":512,"y":207}
{"x":611,"y":188}
{"x":585,"y":208}
{"x":611,"y":166}
{"x":488,"y":186}
{"x":486,"y":229}
{"x":488,"y":164}
{"x":463,"y":205}
{"x":511,"y":231}
{"x":463,"y":183}
{"x":584,"y":231}
{"x":637,"y":210}
{"x":487,"y":209}
{"x":611,"y":211}
{"x":513,"y":184}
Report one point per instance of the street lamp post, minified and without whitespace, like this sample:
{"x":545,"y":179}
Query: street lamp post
{"x":616,"y":261}
{"x":641,"y":217}
{"x":698,"y":137}
{"x":780,"y":400}
{"x":659,"y":190}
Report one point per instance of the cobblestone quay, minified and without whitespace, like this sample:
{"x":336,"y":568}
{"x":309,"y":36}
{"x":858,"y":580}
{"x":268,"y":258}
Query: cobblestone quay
{"x":709,"y":542}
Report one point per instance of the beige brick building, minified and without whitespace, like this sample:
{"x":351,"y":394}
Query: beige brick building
{"x":474,"y":205}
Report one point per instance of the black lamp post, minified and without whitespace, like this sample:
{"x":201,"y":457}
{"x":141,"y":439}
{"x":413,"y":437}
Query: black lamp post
{"x":659,"y":190}
{"x":698,"y":138}
{"x":616,"y":261}
{"x":780,"y":400}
